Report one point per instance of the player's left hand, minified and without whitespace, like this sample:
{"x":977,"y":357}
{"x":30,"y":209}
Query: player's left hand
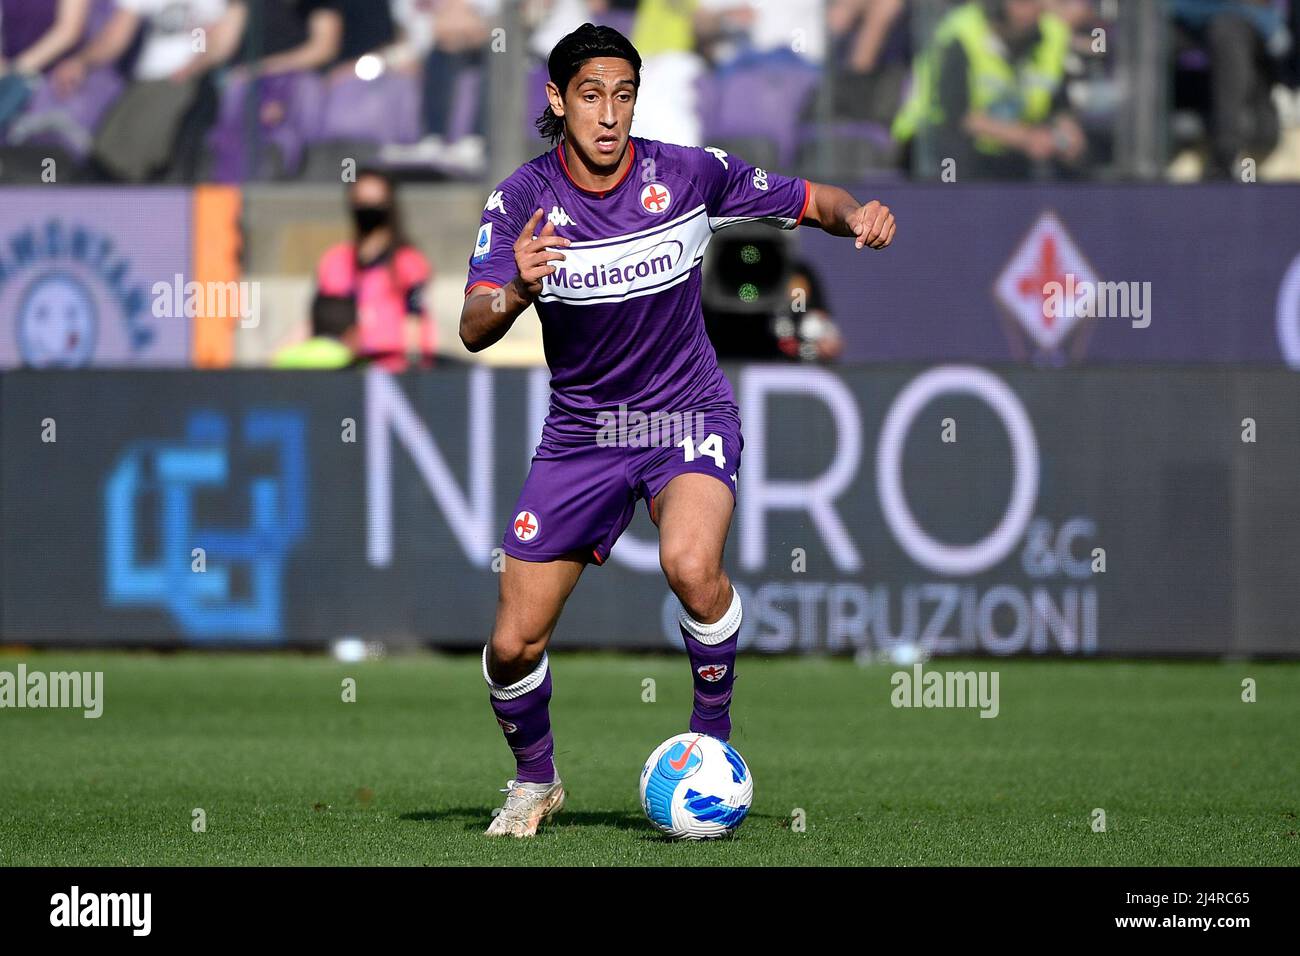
{"x":873,"y":225}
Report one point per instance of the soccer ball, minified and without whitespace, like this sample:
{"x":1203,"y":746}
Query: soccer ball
{"x":696,"y":787}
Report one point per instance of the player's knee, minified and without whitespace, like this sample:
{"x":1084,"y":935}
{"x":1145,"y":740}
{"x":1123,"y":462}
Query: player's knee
{"x":696,"y":578}
{"x":513,"y":655}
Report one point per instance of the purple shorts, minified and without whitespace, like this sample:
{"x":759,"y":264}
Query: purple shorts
{"x":580,"y":496}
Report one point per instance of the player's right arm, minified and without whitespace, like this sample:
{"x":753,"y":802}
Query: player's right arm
{"x":489,"y":309}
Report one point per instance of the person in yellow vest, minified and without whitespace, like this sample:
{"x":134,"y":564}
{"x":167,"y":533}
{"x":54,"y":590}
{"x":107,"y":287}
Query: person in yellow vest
{"x":333,"y":342}
{"x":989,"y":94}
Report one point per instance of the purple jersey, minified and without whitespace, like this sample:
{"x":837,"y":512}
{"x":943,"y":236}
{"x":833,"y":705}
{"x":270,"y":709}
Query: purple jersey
{"x":621,"y":318}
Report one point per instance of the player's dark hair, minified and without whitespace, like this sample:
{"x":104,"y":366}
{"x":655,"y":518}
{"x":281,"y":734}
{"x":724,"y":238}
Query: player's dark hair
{"x":585,"y":43}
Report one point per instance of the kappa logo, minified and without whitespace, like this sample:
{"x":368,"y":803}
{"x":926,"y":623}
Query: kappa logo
{"x":719,"y":155}
{"x":712,"y":672}
{"x":655,"y":198}
{"x":559,"y":217}
{"x":496,"y":201}
{"x":507,"y":726}
{"x":527,"y":526}
{"x":760,"y":179}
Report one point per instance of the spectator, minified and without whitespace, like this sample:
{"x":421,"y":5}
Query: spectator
{"x":1242,"y":39}
{"x":368,"y":28}
{"x":802,"y":327}
{"x":279,"y":42}
{"x":550,"y":20}
{"x":990,"y":92}
{"x":157,"y":126}
{"x":666,"y":101}
{"x":385,"y":274}
{"x":333,"y":343}
{"x":34,"y":35}
{"x":870,"y":40}
{"x":458,"y":32}
{"x":733,"y":31}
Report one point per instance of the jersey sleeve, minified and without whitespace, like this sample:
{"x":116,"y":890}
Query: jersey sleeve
{"x":492,"y":260}
{"x":736,"y":192}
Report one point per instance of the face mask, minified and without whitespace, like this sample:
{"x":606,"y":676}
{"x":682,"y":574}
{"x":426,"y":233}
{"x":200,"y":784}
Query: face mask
{"x":370,"y":218}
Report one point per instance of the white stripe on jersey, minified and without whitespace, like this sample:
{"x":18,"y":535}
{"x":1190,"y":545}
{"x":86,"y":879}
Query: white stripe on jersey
{"x":629,"y":266}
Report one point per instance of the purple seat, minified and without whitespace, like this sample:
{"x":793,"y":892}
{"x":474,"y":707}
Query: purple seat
{"x":382,"y":110}
{"x":621,"y":20}
{"x":465,"y":102}
{"x":302,"y":99}
{"x":762,"y":98}
{"x":69,"y":123}
{"x":534,"y":97}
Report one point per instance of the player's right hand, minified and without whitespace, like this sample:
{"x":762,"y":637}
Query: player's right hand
{"x":534,"y":254}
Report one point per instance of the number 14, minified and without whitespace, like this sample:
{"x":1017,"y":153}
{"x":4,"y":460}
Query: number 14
{"x":711,"y":447}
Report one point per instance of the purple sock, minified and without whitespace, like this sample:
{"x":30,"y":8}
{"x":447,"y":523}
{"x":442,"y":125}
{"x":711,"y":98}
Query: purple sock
{"x":523,"y":711}
{"x":712,"y":650}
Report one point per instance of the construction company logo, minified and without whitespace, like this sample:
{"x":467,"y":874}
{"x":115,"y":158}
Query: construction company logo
{"x":712,"y":672}
{"x":760,"y":179}
{"x":628,"y":266}
{"x":527,"y":526}
{"x":168,"y":559}
{"x":1046,"y":261}
{"x":559,"y":217}
{"x":63,"y":284}
{"x":1005,"y":571}
{"x":656,"y":198}
{"x":483,"y":244}
{"x":496,"y":201}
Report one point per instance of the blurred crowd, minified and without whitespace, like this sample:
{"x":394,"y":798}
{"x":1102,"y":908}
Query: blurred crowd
{"x":232,"y":90}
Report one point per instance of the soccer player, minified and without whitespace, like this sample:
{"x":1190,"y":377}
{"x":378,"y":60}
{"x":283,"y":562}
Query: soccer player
{"x":615,"y":277}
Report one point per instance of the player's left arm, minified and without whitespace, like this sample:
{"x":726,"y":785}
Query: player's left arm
{"x":835,"y":211}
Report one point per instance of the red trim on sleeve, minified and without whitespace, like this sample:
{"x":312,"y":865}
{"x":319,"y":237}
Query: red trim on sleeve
{"x":596,"y":554}
{"x":807,"y":198}
{"x":483,"y":282}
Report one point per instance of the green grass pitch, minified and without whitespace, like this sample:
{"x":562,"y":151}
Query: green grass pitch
{"x":288,"y":773}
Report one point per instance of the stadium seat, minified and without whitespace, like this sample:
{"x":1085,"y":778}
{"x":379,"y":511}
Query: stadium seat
{"x":357,"y":118}
{"x":282,"y":146}
{"x":383,"y":110}
{"x":842,"y":150}
{"x":67,"y":123}
{"x":758,"y":101}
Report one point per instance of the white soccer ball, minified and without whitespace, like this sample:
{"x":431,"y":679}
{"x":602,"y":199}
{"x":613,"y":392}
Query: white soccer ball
{"x":696,"y":787}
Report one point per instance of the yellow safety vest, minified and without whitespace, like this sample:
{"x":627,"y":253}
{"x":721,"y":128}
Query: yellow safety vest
{"x":995,"y":85}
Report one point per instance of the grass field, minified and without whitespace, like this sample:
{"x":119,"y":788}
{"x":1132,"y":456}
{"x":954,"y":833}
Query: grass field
{"x":287,"y":773}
